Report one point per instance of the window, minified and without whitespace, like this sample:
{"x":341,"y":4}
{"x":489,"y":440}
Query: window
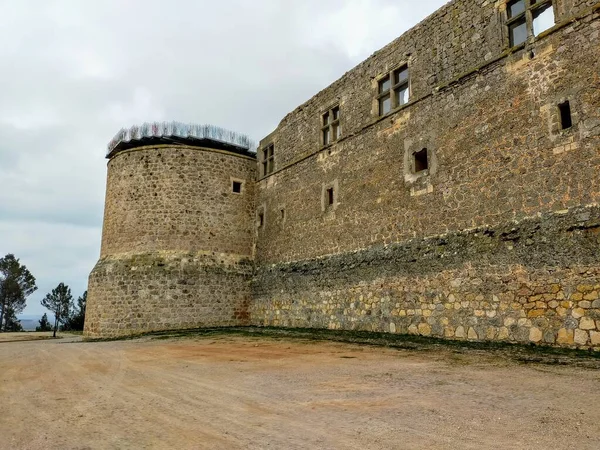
{"x":261,"y":219}
{"x":330,"y":198}
{"x":528,"y":18}
{"x":330,"y":126}
{"x":566,"y":120}
{"x":421,"y":162}
{"x":236,"y":187}
{"x":393,"y":90}
{"x":268,"y":160}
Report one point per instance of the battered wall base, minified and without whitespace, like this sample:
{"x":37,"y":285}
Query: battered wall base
{"x":133,"y":294}
{"x":536,"y":281}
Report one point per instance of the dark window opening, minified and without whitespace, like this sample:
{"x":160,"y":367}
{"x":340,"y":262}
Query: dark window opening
{"x":237,"y":187}
{"x":330,"y":198}
{"x":421,"y":162}
{"x":261,"y":219}
{"x":565,"y":115}
{"x":282,"y":212}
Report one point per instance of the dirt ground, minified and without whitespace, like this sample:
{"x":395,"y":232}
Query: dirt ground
{"x":244,"y":392}
{"x":27,"y":336}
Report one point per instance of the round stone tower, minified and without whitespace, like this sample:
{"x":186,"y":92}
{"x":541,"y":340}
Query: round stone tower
{"x":177,"y":240}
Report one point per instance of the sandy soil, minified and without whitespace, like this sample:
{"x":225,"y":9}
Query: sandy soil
{"x":257,"y":393}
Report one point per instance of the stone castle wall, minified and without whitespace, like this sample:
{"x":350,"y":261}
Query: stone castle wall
{"x":496,"y":240}
{"x":488,"y":116}
{"x":177,"y":242}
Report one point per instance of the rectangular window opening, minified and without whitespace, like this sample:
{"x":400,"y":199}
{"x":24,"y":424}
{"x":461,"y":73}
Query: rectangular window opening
{"x":330,"y":197}
{"x":515,"y":7}
{"x":268,"y":160}
{"x":261,"y":219}
{"x":543,"y":18}
{"x":566,"y":120}
{"x":518,"y":32}
{"x":282,"y":214}
{"x":237,"y":187}
{"x":527,"y":19}
{"x":331,"y":129}
{"x":421,"y":162}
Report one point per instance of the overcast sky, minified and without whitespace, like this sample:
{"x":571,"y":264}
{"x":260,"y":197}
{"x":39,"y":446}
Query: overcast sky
{"x":76,"y":71}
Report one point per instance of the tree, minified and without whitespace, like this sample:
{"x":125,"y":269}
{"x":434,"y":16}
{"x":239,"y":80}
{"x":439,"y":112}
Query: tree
{"x":12,"y":324}
{"x":44,"y":324}
{"x":77,"y":318}
{"x":60,"y":302}
{"x":16,"y":284}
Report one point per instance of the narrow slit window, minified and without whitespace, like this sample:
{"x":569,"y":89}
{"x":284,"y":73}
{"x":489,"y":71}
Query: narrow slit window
{"x":421,"y":162}
{"x":282,"y":214}
{"x":566,"y":120}
{"x":237,"y":187}
{"x":330,"y":197}
{"x":261,"y":219}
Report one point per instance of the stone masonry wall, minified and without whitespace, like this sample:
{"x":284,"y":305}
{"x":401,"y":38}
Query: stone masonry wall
{"x":166,"y":291}
{"x":178,"y":198}
{"x":177,"y":242}
{"x":496,"y":152}
{"x":435,"y":252}
{"x":534,"y":281}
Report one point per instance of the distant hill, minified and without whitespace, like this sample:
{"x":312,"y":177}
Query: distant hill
{"x":30,"y":321}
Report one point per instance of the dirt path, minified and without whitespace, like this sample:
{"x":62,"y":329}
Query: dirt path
{"x":257,"y":393}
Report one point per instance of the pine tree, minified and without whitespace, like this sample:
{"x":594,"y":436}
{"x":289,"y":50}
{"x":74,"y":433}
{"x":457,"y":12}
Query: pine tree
{"x":16,"y":284}
{"x":77,"y":318}
{"x":44,"y":324}
{"x":60,"y":302}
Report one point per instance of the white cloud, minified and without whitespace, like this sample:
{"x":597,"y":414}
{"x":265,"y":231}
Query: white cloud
{"x":74,"y":72}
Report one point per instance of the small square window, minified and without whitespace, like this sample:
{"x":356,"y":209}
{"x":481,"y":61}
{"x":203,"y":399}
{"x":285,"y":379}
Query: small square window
{"x":236,"y":187}
{"x":421,"y":162}
{"x":543,"y":19}
{"x":385,"y":85}
{"x":515,"y":8}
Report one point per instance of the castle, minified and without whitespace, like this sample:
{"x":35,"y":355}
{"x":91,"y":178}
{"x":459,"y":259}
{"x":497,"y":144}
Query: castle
{"x":447,"y":186}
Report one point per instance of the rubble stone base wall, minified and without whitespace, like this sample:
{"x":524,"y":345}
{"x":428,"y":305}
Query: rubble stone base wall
{"x":534,"y":281}
{"x":141,"y":293}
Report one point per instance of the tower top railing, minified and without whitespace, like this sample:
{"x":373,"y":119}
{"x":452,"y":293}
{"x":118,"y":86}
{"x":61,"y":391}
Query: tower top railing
{"x":180,"y":134}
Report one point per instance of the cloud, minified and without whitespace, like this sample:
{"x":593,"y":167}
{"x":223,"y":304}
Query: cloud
{"x":75,"y":72}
